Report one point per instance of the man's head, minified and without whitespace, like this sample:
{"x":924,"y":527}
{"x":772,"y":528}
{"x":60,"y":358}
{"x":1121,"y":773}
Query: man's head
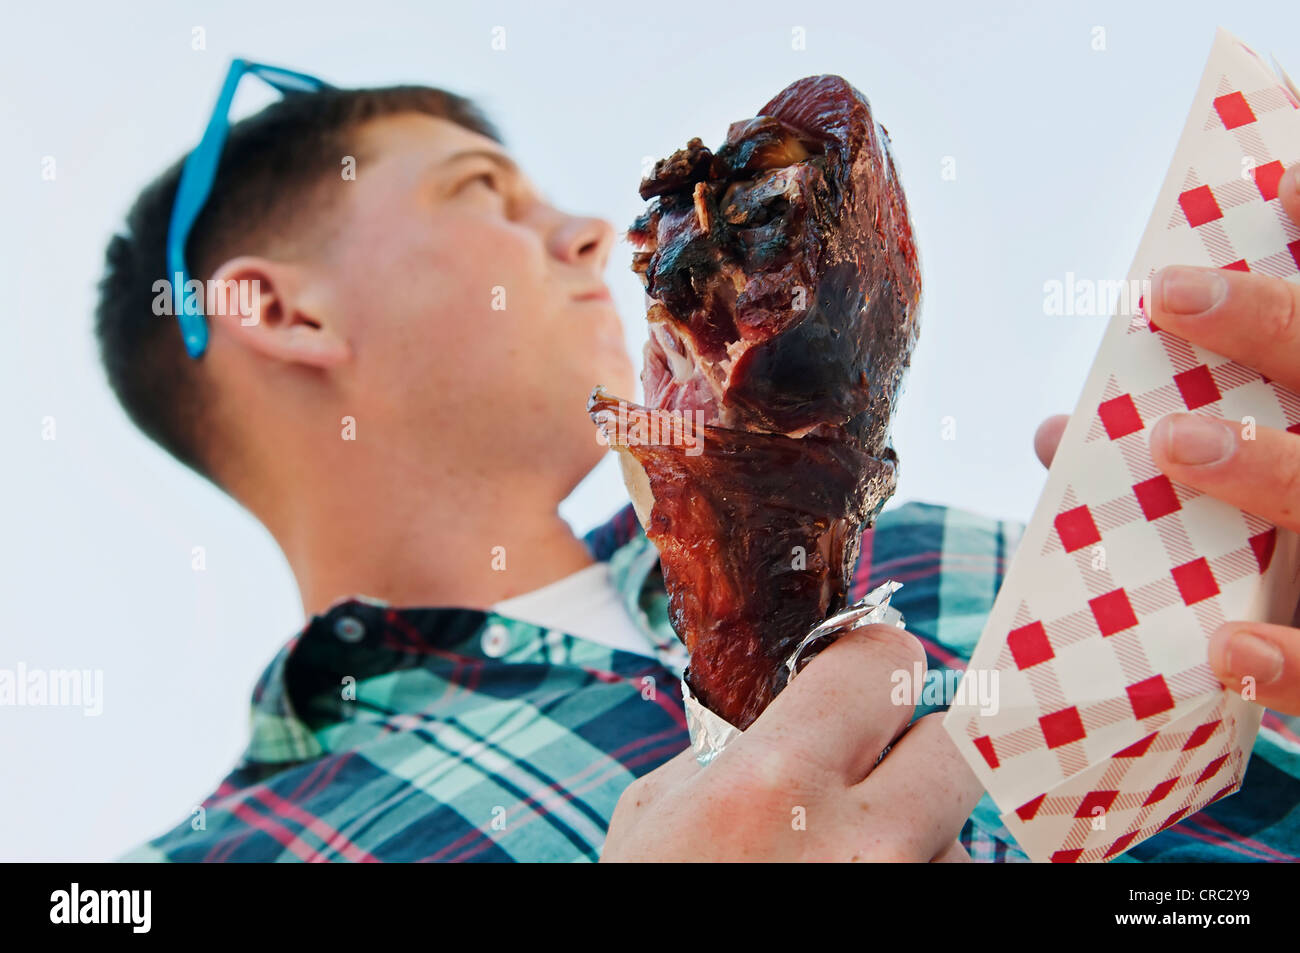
{"x":433,"y":297}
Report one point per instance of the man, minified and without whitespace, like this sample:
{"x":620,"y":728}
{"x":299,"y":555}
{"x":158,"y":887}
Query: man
{"x":401,"y":404}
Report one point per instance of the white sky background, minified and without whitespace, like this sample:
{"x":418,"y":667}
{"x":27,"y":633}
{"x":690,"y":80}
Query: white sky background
{"x":1059,"y":150}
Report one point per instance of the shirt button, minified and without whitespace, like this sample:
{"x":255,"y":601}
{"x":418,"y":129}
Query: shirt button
{"x":349,"y":629}
{"x":496,"y":639}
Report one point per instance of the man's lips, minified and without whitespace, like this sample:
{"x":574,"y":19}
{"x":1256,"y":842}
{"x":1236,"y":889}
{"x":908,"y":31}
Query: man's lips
{"x":598,"y":294}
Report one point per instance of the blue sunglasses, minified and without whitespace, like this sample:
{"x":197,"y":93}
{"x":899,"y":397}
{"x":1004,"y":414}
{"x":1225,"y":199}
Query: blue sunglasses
{"x":197,"y":177}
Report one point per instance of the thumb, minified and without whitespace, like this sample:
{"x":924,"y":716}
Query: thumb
{"x":1262,"y":658}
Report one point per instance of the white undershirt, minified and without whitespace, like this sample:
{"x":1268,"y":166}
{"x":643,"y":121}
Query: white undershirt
{"x":585,"y":604}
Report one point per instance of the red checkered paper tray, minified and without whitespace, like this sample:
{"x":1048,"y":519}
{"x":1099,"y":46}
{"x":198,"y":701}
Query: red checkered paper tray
{"x":1105,"y":724}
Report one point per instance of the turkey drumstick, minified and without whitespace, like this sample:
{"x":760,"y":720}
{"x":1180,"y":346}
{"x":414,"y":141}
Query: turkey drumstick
{"x":783,"y":290}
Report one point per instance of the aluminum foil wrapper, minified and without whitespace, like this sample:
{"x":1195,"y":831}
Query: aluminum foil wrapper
{"x":710,"y":734}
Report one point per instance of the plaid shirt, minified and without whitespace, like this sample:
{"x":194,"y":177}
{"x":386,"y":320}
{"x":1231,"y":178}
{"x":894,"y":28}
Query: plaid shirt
{"x":447,"y":734}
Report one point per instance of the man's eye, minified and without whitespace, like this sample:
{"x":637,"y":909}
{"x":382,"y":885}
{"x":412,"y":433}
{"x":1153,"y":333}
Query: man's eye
{"x":488,"y":178}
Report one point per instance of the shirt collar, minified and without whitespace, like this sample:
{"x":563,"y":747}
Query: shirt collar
{"x":361,"y":637}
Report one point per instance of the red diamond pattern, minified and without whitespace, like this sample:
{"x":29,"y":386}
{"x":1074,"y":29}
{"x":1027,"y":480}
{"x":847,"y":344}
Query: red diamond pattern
{"x":1195,"y":581}
{"x":1160,"y":792}
{"x":1076,"y":529}
{"x":1027,"y":810}
{"x":1138,"y":748}
{"x":1113,"y":612}
{"x":1119,"y":415}
{"x":1096,"y":799}
{"x":1029,"y":645}
{"x":1233,"y":110}
{"x":1201,"y":735}
{"x":1262,"y":544}
{"x":1062,"y":727}
{"x":1197,"y":387}
{"x":1121,"y":843}
{"x":1199,"y":206}
{"x":1212,"y":768}
{"x":1150,"y":697}
{"x":1267,"y":178}
{"x":1156,"y":497}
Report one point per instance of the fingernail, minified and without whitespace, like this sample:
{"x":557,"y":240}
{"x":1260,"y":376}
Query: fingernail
{"x":1181,"y":289}
{"x":1294,"y":172}
{"x":1250,"y":655}
{"x":1198,"y":441}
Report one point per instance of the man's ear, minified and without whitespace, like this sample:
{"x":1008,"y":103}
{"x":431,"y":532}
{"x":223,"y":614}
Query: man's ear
{"x":273,"y":308}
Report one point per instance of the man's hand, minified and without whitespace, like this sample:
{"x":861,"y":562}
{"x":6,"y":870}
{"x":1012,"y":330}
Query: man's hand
{"x":1255,"y":320}
{"x":799,"y":784}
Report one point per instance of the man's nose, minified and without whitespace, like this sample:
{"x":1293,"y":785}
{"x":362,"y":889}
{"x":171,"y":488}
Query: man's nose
{"x":583,"y":241}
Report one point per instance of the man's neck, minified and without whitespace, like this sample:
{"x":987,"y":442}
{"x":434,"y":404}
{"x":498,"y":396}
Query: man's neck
{"x":467,"y":543}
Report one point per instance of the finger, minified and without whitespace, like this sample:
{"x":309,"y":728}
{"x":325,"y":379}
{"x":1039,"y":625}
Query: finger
{"x":1048,"y":437}
{"x":841,"y":710}
{"x":1288,"y":192}
{"x":1262,"y":657}
{"x":1256,"y":469}
{"x":925,"y":787}
{"x":954,"y":853}
{"x":1253,"y":319}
